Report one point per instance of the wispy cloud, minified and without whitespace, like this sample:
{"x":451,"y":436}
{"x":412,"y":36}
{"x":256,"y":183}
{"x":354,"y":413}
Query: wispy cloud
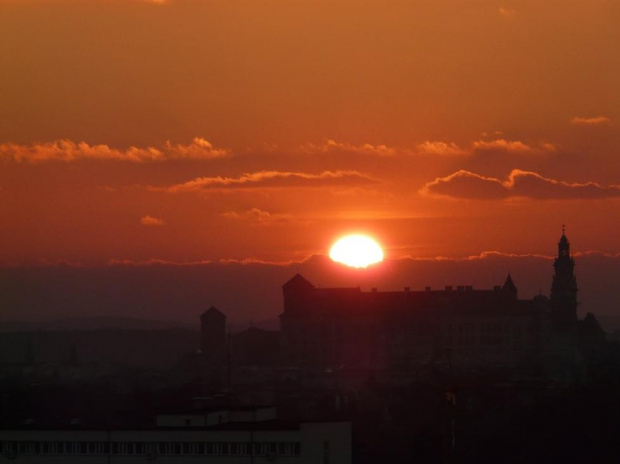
{"x":155,"y":262}
{"x":200,"y":148}
{"x":257,"y":215}
{"x":438,"y":148}
{"x":271,"y":180}
{"x":469,"y":185}
{"x":488,"y":254}
{"x":431,"y":148}
{"x":507,"y":13}
{"x":206,"y":262}
{"x":151,"y":221}
{"x":69,"y":151}
{"x":512,"y":146}
{"x":595,"y":121}
{"x":363,"y":149}
{"x":502,"y":254}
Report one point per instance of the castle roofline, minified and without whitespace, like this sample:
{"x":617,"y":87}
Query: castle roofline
{"x":298,"y":282}
{"x":212,"y":311}
{"x":509,"y":283}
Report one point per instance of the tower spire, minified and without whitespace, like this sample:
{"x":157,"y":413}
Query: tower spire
{"x":564,"y":285}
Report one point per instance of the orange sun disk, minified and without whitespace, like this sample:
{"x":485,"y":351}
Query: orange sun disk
{"x":357,"y":251}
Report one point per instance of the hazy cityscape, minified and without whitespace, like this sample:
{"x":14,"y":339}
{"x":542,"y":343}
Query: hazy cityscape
{"x":438,"y":375}
{"x":340,"y":232}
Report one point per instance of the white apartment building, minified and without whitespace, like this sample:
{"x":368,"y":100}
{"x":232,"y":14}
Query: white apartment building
{"x":225,"y":436}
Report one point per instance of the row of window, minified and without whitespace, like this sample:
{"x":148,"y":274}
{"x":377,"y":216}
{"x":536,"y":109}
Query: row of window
{"x":159,"y":448}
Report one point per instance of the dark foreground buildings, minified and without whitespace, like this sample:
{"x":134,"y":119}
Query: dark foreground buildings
{"x":456,"y":327}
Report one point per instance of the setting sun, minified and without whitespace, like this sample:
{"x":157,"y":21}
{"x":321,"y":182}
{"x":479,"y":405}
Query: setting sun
{"x":356,"y":251}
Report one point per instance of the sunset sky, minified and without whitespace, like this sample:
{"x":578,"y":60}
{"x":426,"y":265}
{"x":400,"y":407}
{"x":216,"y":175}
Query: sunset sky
{"x":227,"y":132}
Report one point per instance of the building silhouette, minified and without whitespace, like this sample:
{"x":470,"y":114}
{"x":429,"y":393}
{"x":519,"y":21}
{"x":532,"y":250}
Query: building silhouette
{"x":213,"y":335}
{"x":347,"y":327}
{"x":453,"y":327}
{"x":251,"y":347}
{"x":255,"y":347}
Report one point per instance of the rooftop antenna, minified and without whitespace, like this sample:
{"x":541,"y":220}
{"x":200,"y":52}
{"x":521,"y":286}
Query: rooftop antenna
{"x":563,"y":229}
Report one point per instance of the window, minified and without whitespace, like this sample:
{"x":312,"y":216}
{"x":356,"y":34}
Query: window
{"x":195,"y":448}
{"x":326,"y":452}
{"x":117,"y":448}
{"x":260,"y":449}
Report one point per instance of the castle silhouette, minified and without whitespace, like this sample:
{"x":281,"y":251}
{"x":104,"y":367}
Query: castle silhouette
{"x":456,"y":327}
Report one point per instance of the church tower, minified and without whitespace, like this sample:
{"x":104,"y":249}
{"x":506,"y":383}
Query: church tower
{"x":564,"y":286}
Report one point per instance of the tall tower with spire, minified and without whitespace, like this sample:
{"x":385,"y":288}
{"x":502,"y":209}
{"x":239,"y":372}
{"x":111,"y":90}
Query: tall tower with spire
{"x":564,"y":285}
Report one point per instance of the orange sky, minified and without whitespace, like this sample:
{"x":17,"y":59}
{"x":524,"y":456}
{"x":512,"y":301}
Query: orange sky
{"x":194,"y":130}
